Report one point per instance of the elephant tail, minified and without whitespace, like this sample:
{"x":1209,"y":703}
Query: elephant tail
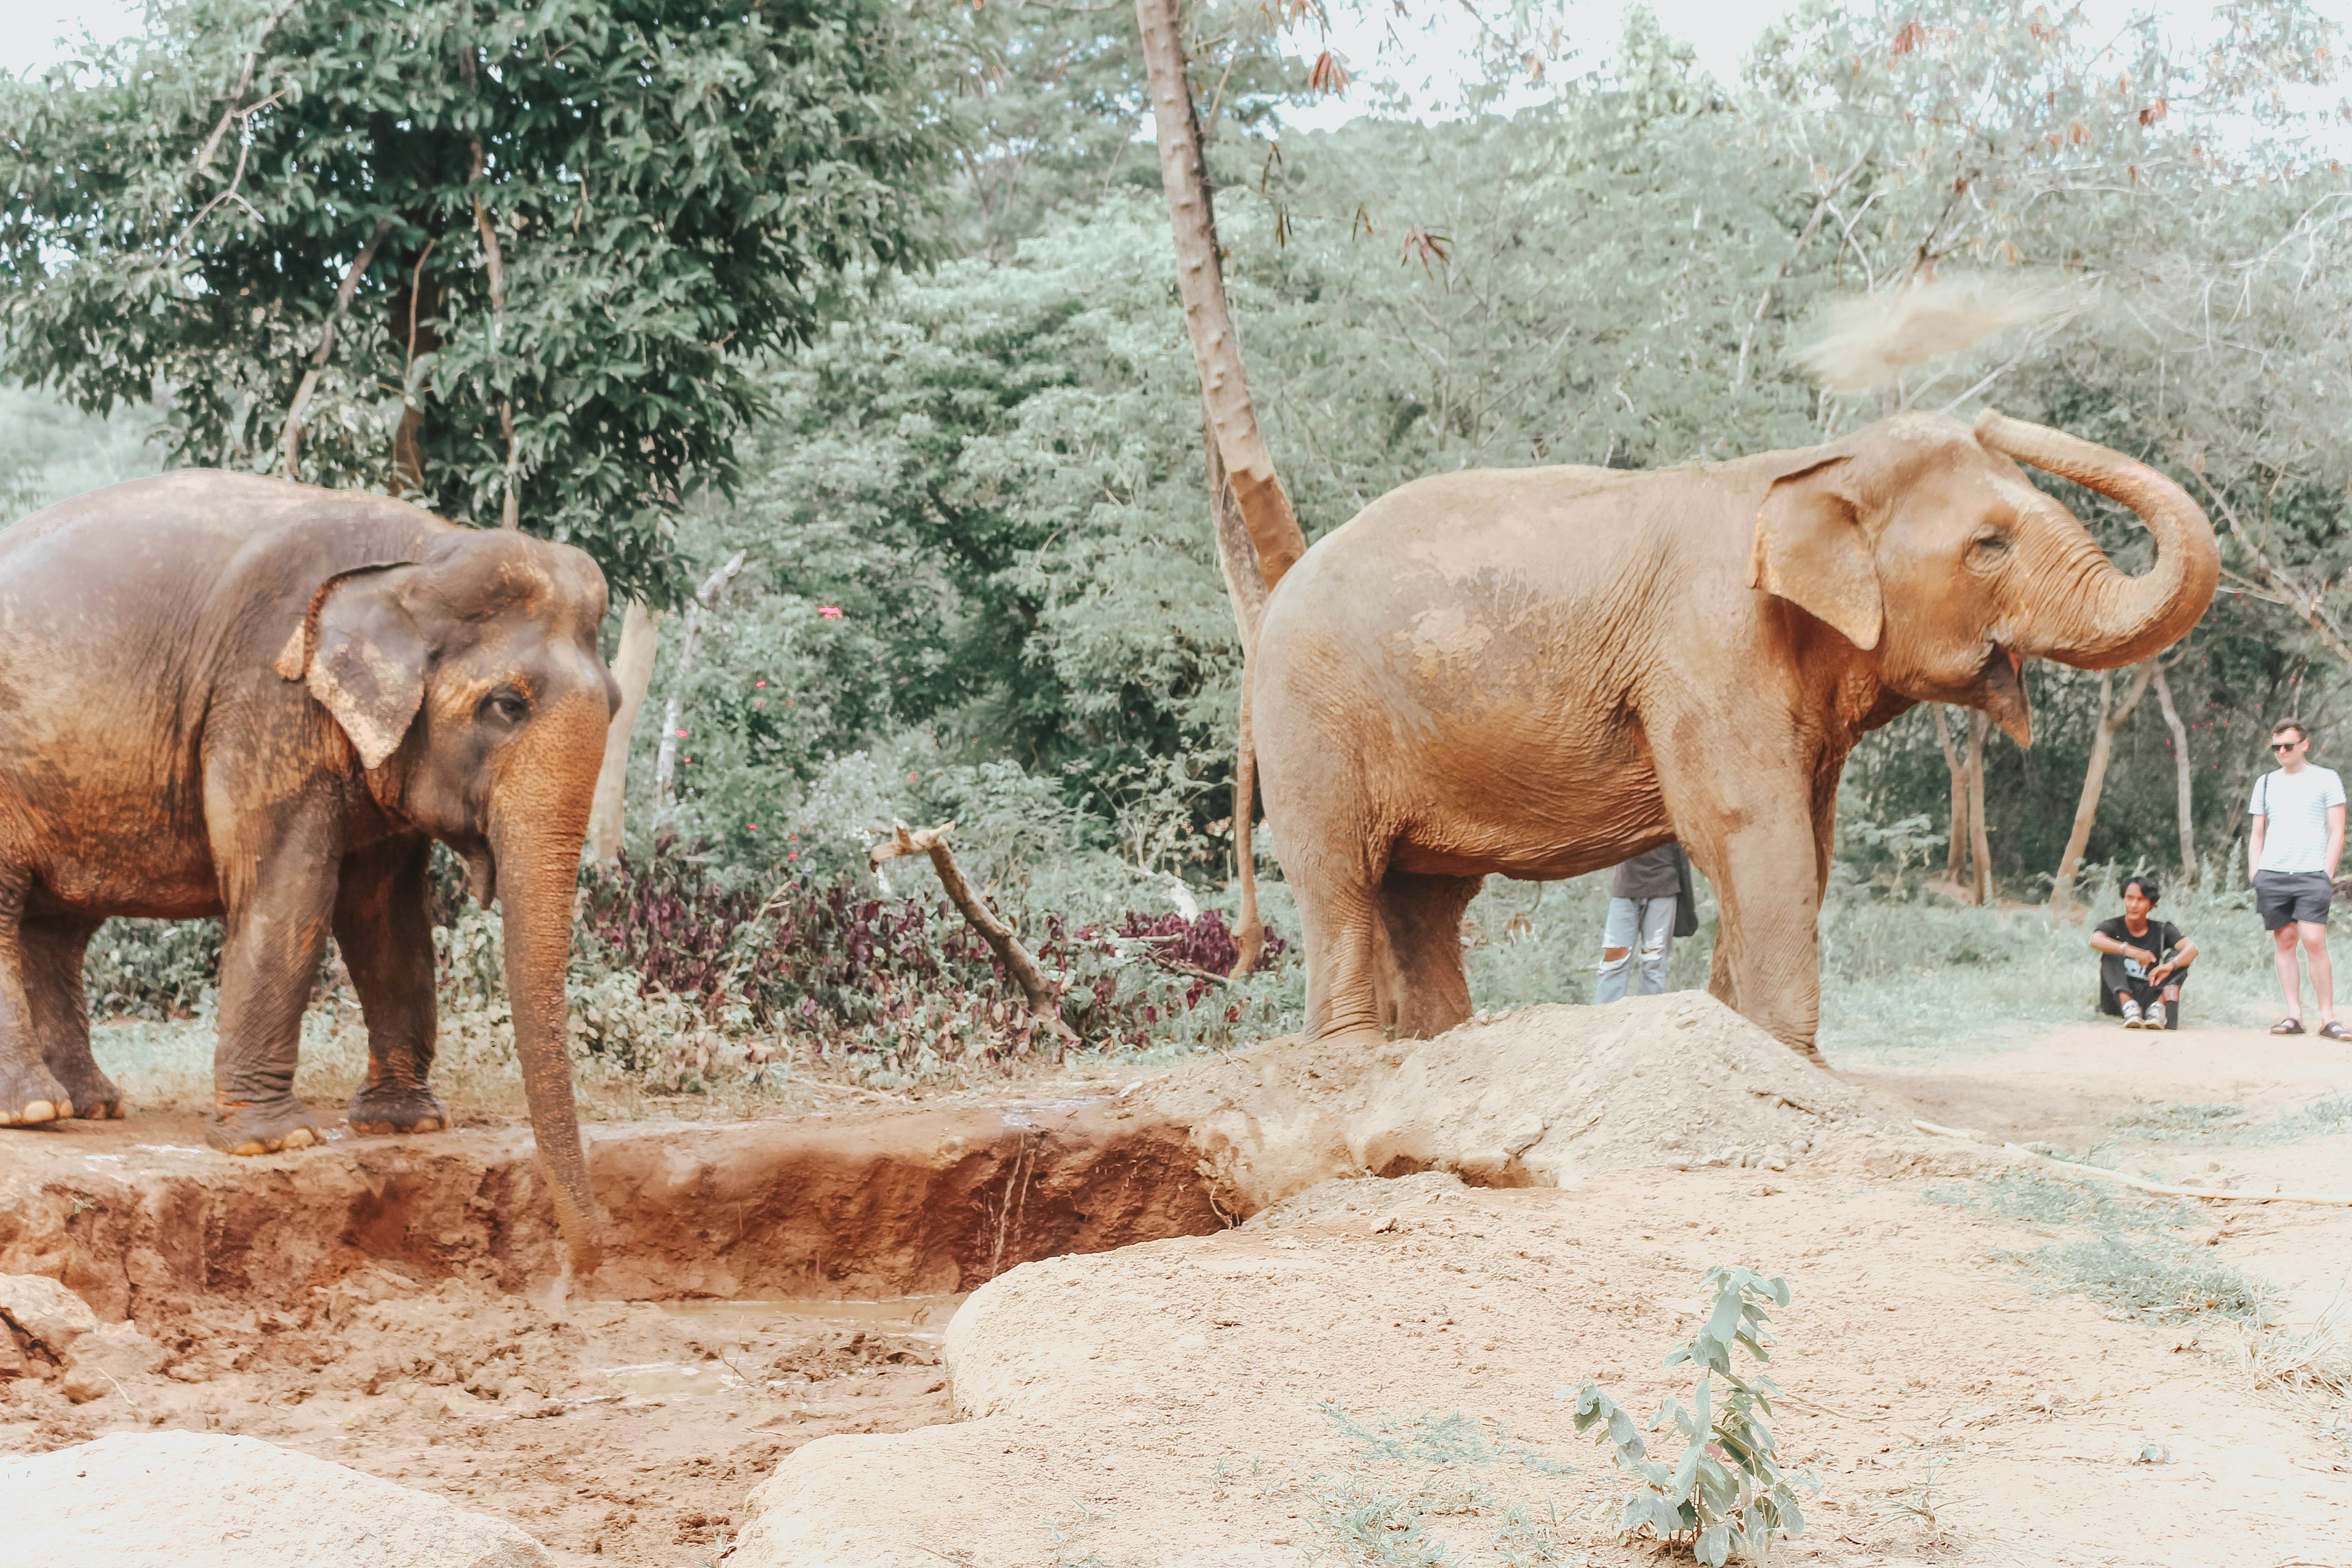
{"x":1249,"y":934}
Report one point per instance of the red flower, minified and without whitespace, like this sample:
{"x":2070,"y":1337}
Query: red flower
{"x":830,"y":612}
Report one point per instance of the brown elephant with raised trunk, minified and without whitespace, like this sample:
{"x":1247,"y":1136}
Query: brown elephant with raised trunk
{"x":1538,"y":672}
{"x":234,"y":696}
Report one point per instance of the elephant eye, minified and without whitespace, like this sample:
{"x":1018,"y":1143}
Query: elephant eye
{"x":1989,"y":549}
{"x":506,"y":703}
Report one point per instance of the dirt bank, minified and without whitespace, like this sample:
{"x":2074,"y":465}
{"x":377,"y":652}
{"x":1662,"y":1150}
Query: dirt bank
{"x":1540,"y":1096}
{"x":138,"y":1214}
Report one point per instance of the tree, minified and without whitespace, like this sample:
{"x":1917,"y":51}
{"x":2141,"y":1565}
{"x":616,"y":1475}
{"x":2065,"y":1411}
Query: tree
{"x":519,"y":261}
{"x":2112,"y":717}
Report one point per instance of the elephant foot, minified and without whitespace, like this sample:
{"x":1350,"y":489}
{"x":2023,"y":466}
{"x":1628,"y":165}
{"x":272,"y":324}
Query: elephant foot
{"x":30,"y":1096}
{"x":387,"y":1108}
{"x":262,"y":1126}
{"x":93,"y":1093}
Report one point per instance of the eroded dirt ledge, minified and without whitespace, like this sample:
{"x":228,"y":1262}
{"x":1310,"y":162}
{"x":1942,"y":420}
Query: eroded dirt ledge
{"x":844,"y":1204}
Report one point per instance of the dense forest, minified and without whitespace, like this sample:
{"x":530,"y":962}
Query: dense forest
{"x":957,"y":442}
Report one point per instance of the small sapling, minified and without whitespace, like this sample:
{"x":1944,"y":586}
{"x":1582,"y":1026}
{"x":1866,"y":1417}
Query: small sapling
{"x":1728,"y":1492}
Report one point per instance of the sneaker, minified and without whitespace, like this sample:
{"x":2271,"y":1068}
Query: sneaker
{"x":2153,"y":1019}
{"x":2131,"y":1014}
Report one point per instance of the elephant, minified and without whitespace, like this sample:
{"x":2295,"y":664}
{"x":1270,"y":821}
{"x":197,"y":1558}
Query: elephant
{"x":232,"y":695}
{"x":1538,"y":672}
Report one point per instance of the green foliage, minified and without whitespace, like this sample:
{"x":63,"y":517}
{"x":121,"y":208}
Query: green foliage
{"x":151,"y":968}
{"x":1727,"y":1491}
{"x":679,"y":188}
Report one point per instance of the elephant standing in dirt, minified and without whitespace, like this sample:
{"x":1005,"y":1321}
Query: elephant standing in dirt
{"x":234,"y":696}
{"x":1541,"y":672}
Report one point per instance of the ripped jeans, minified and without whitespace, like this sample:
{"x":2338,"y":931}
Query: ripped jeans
{"x":1652,"y":921}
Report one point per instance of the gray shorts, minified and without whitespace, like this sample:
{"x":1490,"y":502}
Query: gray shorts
{"x":2283,"y":898}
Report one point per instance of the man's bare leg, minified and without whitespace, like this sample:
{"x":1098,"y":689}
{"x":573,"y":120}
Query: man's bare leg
{"x":2290,"y":978}
{"x":2323,"y":970}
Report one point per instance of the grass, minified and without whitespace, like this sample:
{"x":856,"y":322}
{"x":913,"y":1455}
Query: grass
{"x":1406,"y":1499}
{"x":1901,"y":977}
{"x":2134,"y":1261}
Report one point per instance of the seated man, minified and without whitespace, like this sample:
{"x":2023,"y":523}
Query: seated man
{"x":2144,"y":962}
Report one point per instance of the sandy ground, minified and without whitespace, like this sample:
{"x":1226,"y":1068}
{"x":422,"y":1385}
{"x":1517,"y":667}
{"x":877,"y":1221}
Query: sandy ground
{"x":1288,"y":1394}
{"x":613,"y":1432}
{"x":1327,"y":1392}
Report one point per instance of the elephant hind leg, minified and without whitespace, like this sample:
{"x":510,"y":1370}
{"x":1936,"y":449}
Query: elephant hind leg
{"x":30,"y":1093}
{"x":1340,"y":918}
{"x":53,"y":947}
{"x":1421,"y":917}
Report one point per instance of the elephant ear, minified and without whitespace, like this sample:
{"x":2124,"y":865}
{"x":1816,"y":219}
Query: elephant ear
{"x":360,"y":651}
{"x":1811,"y":550}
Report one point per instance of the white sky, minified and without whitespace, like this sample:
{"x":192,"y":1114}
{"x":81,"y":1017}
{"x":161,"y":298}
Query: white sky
{"x":1433,"y":73}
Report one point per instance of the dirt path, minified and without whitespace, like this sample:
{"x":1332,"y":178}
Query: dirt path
{"x":1318,"y":1393}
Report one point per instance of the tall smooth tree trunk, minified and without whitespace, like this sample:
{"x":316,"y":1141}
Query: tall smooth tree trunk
{"x":1265,"y":505}
{"x":633,"y":672}
{"x":1257,"y":533}
{"x":1956,"y":842}
{"x":1979,"y":833}
{"x":2184,"y":777}
{"x":2112,"y":715}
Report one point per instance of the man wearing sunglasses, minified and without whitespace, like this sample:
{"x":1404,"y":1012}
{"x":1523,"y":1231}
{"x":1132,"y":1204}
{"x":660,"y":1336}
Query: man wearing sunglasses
{"x":2296,"y":840}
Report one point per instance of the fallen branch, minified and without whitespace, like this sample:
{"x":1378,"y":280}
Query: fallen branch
{"x":2163,"y":1189}
{"x":933,"y":842}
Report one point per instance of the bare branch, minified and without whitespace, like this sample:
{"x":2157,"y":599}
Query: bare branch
{"x":933,"y":842}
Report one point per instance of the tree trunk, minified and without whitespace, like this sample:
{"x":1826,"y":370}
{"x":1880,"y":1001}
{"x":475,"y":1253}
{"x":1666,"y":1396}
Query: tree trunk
{"x":1956,"y":843}
{"x":2184,"y":776}
{"x":1265,"y":506}
{"x":1980,"y":834}
{"x":706,"y":598}
{"x":633,"y":671}
{"x":2112,"y":715}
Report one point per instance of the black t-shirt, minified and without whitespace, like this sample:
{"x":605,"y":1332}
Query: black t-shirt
{"x":1652,"y":874}
{"x":2160,"y":939}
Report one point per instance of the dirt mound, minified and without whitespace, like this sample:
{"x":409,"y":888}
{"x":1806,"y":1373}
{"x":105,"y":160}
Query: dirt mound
{"x":1541,"y":1097}
{"x":1360,"y":1392}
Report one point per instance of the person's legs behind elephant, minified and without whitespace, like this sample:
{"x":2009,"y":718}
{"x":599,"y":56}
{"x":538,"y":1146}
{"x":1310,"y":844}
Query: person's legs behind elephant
{"x":1646,"y":924}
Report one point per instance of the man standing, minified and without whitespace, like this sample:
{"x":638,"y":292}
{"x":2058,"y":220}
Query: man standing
{"x":2292,"y":850}
{"x":1650,"y":903}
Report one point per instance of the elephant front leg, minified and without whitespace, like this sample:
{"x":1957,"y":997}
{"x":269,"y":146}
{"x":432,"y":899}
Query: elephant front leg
{"x":276,"y":932}
{"x":53,"y":948}
{"x":30,"y":1092}
{"x":384,"y":927}
{"x":1753,"y":834}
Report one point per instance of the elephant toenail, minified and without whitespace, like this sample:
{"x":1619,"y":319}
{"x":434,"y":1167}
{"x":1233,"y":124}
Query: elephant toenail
{"x":42,"y":1110}
{"x":300,"y":1138}
{"x":427,"y":1125}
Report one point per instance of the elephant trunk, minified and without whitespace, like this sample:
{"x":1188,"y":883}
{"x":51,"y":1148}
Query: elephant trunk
{"x":2084,"y":611}
{"x":537,"y":858}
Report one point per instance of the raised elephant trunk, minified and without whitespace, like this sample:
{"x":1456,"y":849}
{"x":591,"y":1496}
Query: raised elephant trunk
{"x":2084,"y":611}
{"x":537,"y":867}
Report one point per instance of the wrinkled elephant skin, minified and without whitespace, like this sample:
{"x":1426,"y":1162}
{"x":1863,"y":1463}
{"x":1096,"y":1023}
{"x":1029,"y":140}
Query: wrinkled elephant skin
{"x":235,"y":696}
{"x":1538,"y":672}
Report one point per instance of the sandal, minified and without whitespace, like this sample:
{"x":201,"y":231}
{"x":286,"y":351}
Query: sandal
{"x":2287,"y":1027}
{"x":2331,"y":1030}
